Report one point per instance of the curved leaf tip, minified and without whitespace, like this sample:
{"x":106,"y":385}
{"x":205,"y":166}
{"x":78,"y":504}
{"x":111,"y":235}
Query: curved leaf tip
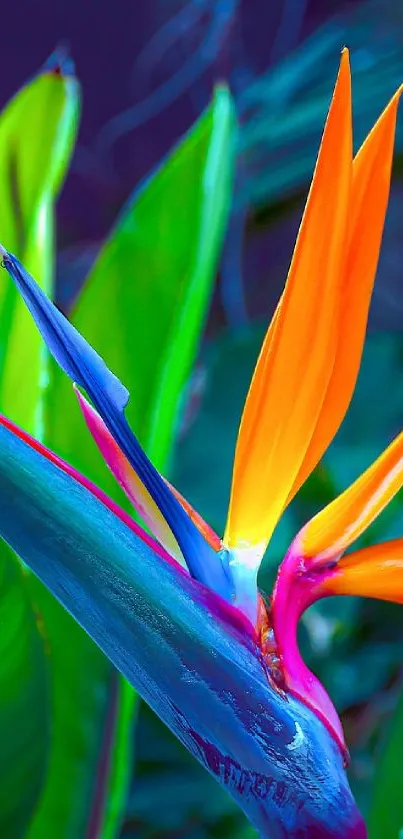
{"x":59,"y":63}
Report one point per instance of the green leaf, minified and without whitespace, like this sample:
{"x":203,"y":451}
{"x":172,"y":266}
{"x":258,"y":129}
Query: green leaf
{"x":143,"y":308}
{"x":36,"y":135}
{"x":386,"y":813}
{"x":37,"y":130}
{"x":24,"y":701}
{"x":144,"y":303}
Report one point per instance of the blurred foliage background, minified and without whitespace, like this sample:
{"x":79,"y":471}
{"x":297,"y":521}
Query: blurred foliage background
{"x":147,"y":72}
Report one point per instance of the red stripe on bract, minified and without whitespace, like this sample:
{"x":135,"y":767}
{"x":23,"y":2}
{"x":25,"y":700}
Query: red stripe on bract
{"x":92,"y":488}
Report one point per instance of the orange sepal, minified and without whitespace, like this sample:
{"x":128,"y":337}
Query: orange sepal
{"x":369,"y":200}
{"x":292,"y":374}
{"x":371,"y":572}
{"x":339,"y":524}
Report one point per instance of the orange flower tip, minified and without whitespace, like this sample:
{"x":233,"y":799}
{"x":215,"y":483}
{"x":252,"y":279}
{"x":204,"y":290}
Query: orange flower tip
{"x":328,"y":534}
{"x":376,"y":572}
{"x":345,"y":59}
{"x":292,"y":373}
{"x":393,"y":104}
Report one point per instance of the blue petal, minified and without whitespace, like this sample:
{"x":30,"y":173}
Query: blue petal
{"x":182,"y":649}
{"x":85,"y":367}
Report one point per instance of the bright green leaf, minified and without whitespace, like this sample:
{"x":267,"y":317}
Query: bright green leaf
{"x":36,"y":135}
{"x":143,"y":308}
{"x":37,"y":130}
{"x":144,"y":303}
{"x":24,"y":706}
{"x":386,"y":813}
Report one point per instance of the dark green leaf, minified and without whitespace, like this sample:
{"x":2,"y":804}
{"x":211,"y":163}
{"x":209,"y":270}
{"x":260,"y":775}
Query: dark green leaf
{"x":24,"y":701}
{"x":386,"y":812}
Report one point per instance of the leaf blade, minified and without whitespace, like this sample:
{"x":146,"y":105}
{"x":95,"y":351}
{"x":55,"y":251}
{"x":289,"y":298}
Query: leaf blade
{"x":33,"y":164}
{"x":31,"y":169}
{"x":199,"y":220}
{"x":24,"y":701}
{"x":386,"y":813}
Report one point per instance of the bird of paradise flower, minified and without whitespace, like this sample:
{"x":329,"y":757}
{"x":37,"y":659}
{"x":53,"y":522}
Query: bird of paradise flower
{"x":183,"y":617}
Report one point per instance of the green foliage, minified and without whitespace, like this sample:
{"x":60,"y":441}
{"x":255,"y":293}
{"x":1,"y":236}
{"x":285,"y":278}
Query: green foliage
{"x":386,"y":812}
{"x":37,"y":132}
{"x":32,"y":165}
{"x":24,"y":704}
{"x":156,"y":268}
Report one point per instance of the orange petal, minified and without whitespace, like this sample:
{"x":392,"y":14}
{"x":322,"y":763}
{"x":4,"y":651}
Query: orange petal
{"x":135,"y":489}
{"x":369,"y":199}
{"x":332,"y":530}
{"x":371,"y":572}
{"x":293,"y":370}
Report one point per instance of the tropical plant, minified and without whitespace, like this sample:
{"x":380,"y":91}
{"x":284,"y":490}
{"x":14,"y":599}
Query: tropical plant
{"x":179,"y":613}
